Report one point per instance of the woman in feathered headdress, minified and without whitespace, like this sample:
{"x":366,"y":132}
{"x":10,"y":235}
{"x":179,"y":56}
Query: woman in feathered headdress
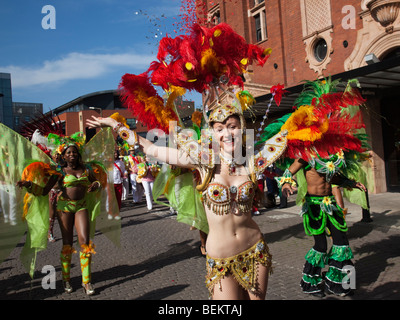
{"x":238,"y":259}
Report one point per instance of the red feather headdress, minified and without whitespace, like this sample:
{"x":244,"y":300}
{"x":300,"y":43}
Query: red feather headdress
{"x":189,"y":62}
{"x":196,"y":60}
{"x":142,"y":100}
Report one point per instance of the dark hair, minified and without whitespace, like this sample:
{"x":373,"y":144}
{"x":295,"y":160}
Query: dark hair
{"x":223,"y":122}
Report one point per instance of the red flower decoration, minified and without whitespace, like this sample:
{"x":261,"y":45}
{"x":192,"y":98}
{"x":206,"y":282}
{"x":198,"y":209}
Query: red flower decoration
{"x":277,"y":92}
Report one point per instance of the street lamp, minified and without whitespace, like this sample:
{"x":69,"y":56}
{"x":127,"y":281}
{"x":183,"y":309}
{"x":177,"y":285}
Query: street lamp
{"x":371,"y":59}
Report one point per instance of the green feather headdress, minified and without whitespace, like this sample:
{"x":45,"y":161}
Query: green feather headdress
{"x":77,"y":139}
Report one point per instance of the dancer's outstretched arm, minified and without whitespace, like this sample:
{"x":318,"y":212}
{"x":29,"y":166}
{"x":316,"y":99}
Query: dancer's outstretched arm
{"x":161,"y":153}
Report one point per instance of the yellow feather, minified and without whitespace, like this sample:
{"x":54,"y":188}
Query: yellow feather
{"x":304,"y":117}
{"x":116,"y":116}
{"x":209,"y":60}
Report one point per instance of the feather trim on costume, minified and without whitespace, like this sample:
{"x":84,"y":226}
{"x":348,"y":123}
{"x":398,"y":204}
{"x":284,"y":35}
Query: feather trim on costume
{"x":246,"y":99}
{"x":146,"y":105}
{"x":42,"y":123}
{"x":38,"y":173}
{"x":322,"y":124}
{"x":196,"y":60}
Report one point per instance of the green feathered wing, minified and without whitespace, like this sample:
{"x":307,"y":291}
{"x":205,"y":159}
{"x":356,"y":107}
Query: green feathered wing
{"x":16,"y":153}
{"x":179,"y":188}
{"x":98,"y":153}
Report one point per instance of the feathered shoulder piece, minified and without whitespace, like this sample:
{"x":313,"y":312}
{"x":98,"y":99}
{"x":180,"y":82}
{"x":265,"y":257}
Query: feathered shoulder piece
{"x":43,"y":123}
{"x":38,"y":129}
{"x":325,"y":121}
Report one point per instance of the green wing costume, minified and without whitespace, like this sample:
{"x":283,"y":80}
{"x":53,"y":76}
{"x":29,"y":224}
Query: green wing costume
{"x":16,"y":153}
{"x":179,"y":188}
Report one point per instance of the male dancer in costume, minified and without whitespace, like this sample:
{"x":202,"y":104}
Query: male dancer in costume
{"x":320,"y":211}
{"x":326,"y":141}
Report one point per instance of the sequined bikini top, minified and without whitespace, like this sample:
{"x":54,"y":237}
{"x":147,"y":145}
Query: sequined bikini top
{"x":218,"y":197}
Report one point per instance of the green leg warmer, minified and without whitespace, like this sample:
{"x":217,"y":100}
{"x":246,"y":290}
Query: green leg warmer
{"x":65,"y":257}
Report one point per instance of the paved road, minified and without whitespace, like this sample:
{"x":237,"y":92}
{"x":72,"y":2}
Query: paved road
{"x":159,"y":258}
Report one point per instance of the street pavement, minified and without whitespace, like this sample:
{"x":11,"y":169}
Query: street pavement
{"x":159,"y":258}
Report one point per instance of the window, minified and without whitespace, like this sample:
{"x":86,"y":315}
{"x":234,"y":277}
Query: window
{"x":214,"y":16}
{"x":320,"y":50}
{"x":260,"y":22}
{"x":256,"y":2}
{"x":317,"y":27}
{"x":215,"y":19}
{"x":131,"y":123}
{"x":257,"y":21}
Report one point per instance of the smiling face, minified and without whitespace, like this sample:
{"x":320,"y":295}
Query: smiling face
{"x":228,"y":134}
{"x":71,"y":154}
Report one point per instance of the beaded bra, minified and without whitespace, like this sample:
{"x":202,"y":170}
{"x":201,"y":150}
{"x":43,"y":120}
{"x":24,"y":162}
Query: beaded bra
{"x":219,"y":197}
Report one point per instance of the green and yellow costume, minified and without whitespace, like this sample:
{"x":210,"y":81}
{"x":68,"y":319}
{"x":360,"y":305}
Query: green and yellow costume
{"x":23,"y":160}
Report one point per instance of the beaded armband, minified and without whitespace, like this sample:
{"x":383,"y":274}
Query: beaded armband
{"x":98,"y":184}
{"x":286,"y":178}
{"x":126,"y":134}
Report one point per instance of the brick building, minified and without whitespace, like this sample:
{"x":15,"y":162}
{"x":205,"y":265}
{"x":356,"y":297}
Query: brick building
{"x":73,"y":114}
{"x":343,"y":39}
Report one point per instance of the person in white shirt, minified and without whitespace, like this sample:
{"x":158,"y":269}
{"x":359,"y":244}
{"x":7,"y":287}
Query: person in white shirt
{"x":125,"y":181}
{"x":119,"y":174}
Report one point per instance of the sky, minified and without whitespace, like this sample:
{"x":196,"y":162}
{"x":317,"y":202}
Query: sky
{"x":88,"y":47}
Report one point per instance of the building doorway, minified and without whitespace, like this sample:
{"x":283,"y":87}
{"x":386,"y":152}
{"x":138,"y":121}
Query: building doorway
{"x":390,"y":109}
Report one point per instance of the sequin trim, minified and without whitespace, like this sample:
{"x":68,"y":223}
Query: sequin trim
{"x":242,"y":266}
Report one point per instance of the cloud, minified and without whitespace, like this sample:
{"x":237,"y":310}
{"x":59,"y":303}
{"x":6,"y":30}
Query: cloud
{"x":75,"y":66}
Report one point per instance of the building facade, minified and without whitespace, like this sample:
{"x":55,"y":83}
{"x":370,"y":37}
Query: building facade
{"x":15,"y":114}
{"x":6,"y":109}
{"x":311,"y":39}
{"x":24,"y":112}
{"x":73,"y":114}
